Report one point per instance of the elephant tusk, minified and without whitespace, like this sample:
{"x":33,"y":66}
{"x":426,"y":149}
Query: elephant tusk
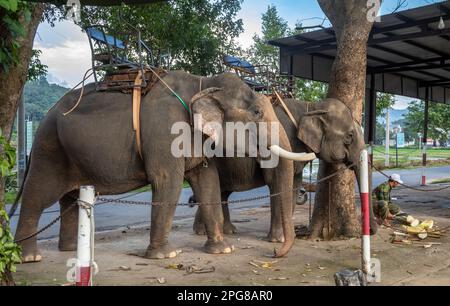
{"x":305,"y":157}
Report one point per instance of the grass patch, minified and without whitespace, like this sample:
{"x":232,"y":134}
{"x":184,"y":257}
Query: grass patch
{"x":441,"y":181}
{"x":10,"y":197}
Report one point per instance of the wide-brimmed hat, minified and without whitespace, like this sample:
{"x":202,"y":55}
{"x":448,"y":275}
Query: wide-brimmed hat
{"x":396,"y":178}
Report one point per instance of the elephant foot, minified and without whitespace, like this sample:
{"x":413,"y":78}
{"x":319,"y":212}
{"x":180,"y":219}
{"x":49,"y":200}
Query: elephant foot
{"x":229,"y":229}
{"x":31,"y":255}
{"x":218,"y":247}
{"x":199,"y":228}
{"x":275,"y":236}
{"x":66,"y":246}
{"x":162,"y":252}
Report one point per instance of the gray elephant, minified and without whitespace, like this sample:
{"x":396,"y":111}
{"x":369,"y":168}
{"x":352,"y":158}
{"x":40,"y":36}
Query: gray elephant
{"x":95,"y":145}
{"x":326,"y":128}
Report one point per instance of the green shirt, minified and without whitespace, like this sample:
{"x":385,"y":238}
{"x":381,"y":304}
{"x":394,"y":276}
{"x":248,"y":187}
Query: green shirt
{"x":382,"y":192}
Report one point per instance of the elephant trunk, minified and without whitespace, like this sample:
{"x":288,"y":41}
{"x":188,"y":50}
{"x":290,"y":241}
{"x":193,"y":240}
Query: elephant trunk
{"x":284,"y":185}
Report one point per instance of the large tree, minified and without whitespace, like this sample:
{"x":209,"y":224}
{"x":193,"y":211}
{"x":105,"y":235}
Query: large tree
{"x":273,"y":26}
{"x":439,"y":120}
{"x":18,"y":25}
{"x":334,"y":211}
{"x":196,"y":32}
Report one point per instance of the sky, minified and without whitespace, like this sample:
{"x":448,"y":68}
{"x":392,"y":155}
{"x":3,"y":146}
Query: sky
{"x":65,"y":49}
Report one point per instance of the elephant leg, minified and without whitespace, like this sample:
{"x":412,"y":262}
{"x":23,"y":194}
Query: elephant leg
{"x":41,"y":190}
{"x":228,"y":227}
{"x":199,"y":225}
{"x":166,"y":192}
{"x":276,"y":227}
{"x":69,"y":222}
{"x":206,"y":187}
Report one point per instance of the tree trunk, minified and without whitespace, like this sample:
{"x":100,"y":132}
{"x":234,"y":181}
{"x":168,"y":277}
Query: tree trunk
{"x":11,"y":87}
{"x":12,"y":82}
{"x":334,"y":213}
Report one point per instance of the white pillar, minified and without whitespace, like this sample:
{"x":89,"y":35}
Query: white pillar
{"x":365,"y":214}
{"x":386,"y":162}
{"x":84,"y":251}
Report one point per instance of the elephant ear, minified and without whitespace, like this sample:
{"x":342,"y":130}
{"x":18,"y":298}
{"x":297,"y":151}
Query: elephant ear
{"x":207,"y":112}
{"x":310,"y":130}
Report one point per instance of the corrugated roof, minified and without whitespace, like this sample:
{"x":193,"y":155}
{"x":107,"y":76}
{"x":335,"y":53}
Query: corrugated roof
{"x":405,"y":49}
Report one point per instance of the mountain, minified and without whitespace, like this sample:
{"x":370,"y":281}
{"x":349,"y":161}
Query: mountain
{"x":51,"y":79}
{"x":39,"y":96}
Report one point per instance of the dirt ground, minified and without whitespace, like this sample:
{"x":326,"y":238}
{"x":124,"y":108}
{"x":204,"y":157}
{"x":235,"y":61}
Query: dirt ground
{"x":308,"y":263}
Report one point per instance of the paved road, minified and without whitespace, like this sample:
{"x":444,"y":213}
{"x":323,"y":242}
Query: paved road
{"x":112,"y":216}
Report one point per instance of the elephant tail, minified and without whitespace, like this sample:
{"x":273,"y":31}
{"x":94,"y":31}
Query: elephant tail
{"x":19,"y":193}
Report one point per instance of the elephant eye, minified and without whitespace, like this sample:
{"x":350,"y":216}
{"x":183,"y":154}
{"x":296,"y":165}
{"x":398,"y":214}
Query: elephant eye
{"x":257,"y":112}
{"x":349,"y":138}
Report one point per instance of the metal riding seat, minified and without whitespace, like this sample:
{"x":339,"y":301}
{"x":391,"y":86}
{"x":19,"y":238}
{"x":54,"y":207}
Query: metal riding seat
{"x":114,"y":66}
{"x":259,"y":77}
{"x":255,"y":76}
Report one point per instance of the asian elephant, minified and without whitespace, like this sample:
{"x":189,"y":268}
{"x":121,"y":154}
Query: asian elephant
{"x":326,"y":128}
{"x":95,"y":145}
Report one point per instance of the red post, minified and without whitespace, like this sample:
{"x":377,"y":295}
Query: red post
{"x":365,"y":215}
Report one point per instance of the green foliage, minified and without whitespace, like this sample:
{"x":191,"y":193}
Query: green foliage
{"x":439,"y":120}
{"x":39,"y":96}
{"x":9,"y":251}
{"x":10,"y":13}
{"x":273,"y":26}
{"x":36,"y":68}
{"x":7,"y":156}
{"x":384,"y":102}
{"x":311,"y":91}
{"x":197,"y":32}
{"x":260,"y":53}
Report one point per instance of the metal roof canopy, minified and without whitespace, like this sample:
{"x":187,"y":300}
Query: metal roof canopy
{"x":406,"y":54}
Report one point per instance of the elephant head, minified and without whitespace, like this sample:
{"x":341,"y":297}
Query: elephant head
{"x":227,"y":99}
{"x":330,"y":131}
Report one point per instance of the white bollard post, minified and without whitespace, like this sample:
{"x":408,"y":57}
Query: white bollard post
{"x":365,"y":214}
{"x":84,"y":251}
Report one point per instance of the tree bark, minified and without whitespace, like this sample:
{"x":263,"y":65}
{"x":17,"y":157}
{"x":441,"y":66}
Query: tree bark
{"x":12,"y":82}
{"x":334,"y":214}
{"x":11,"y":87}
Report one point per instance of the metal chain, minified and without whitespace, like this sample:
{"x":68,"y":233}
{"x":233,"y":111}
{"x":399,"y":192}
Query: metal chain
{"x":144,"y":203}
{"x":48,"y":225}
{"x":54,"y":221}
{"x":411,"y":187}
{"x":128,"y":202}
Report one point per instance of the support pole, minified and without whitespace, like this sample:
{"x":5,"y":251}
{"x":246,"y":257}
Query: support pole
{"x":85,"y":232}
{"x":21,"y":155}
{"x":370,"y":124}
{"x":425,"y":135}
{"x":386,"y":162}
{"x":370,"y":116}
{"x":365,"y":214}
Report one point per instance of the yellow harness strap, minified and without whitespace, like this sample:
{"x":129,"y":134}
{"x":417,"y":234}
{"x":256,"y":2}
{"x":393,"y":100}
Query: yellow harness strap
{"x":137,"y":110}
{"x":286,"y":109}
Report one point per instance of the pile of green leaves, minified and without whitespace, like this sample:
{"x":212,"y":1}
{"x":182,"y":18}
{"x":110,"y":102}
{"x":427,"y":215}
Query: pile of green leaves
{"x":9,"y":251}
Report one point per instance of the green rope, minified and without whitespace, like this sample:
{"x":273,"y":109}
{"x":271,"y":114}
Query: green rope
{"x":182,"y":102}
